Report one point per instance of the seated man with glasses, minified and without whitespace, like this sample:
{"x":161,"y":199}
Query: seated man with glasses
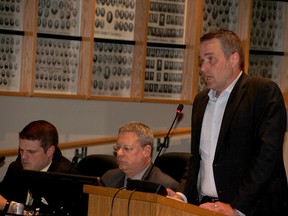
{"x":134,"y":150}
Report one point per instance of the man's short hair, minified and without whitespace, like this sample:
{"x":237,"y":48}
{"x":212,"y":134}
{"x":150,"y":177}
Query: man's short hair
{"x":230,"y":43}
{"x":41,"y":130}
{"x":143,"y":132}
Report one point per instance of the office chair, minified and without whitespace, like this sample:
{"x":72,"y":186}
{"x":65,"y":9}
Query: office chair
{"x":96,"y":164}
{"x":173,"y":164}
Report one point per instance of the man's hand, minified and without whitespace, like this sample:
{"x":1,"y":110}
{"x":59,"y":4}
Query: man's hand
{"x":172,"y":194}
{"x":220,"y":207}
{"x":2,"y":202}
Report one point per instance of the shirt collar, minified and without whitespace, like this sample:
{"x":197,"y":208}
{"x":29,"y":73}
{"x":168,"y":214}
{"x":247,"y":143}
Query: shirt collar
{"x":45,"y":169}
{"x":228,"y":90}
{"x":140,"y":174}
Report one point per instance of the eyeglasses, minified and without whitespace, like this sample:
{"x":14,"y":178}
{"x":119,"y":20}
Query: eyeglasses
{"x":125,"y":148}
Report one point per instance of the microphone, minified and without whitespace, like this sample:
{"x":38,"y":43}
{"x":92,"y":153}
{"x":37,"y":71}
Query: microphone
{"x":166,"y":139}
{"x":2,"y":159}
{"x":150,"y":187}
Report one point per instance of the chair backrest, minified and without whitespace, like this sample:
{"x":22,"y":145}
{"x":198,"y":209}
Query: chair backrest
{"x":173,"y":164}
{"x":96,"y":164}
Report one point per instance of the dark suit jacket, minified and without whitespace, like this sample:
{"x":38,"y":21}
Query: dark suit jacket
{"x":115,"y":178}
{"x":248,"y":165}
{"x":12,"y":186}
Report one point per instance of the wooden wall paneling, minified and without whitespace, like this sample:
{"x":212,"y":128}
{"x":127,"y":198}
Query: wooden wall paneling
{"x":243,"y":28}
{"x":139,"y":54}
{"x":29,"y":47}
{"x":87,"y":47}
{"x":191,"y":66}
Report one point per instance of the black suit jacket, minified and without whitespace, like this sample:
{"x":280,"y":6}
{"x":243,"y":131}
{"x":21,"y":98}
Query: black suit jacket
{"x":248,"y":165}
{"x":115,"y":178}
{"x":12,"y":186}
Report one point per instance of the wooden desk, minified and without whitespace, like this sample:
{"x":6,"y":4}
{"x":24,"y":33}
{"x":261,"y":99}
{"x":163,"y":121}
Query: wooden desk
{"x":138,"y":204}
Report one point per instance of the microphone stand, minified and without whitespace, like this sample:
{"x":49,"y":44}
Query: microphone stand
{"x":166,"y":140}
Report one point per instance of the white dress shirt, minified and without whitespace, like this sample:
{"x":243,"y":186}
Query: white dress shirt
{"x":212,"y":121}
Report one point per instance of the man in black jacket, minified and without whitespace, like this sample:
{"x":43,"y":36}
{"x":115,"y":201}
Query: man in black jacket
{"x":238,"y":127}
{"x":38,"y":151}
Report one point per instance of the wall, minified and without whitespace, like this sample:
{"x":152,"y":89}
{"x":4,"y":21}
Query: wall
{"x":85,"y":119}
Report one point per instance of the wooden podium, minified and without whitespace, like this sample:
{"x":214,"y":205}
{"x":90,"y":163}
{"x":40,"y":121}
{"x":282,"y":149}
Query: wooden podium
{"x":103,"y":200}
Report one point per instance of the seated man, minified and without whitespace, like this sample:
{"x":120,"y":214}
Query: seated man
{"x":134,"y":150}
{"x":38,"y":151}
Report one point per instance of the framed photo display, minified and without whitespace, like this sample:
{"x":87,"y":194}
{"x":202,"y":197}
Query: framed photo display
{"x":115,"y":19}
{"x":112,"y":69}
{"x":10,"y":62}
{"x":57,"y":66}
{"x":164,"y":71}
{"x":166,"y":22}
{"x":11,"y":15}
{"x":59,"y":17}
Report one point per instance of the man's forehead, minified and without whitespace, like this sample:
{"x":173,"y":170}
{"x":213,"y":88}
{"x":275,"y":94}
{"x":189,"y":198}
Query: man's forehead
{"x":210,"y":47}
{"x":132,"y":138}
{"x":210,"y":44}
{"x":35,"y":144}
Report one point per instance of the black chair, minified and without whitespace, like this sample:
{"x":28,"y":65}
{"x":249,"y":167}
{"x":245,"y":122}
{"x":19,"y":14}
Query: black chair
{"x":173,"y":164}
{"x":96,"y":164}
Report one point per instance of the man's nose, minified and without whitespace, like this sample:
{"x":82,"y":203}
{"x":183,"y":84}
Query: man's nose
{"x":203,"y":67}
{"x":120,"y":151}
{"x":23,"y":155}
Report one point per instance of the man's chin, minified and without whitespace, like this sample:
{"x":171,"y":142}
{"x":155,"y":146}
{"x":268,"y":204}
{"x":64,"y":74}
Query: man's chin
{"x":28,"y":168}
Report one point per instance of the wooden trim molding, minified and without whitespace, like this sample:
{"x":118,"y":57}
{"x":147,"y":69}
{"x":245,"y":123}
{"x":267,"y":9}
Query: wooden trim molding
{"x":101,"y":141}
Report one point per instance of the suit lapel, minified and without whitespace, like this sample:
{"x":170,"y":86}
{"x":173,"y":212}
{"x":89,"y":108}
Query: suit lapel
{"x":198,"y":114}
{"x":148,"y":173}
{"x":198,"y":111}
{"x":235,"y":98}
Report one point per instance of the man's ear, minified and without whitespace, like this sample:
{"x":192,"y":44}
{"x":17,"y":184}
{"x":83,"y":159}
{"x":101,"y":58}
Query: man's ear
{"x":234,"y":59}
{"x":148,"y":150}
{"x":51,"y":150}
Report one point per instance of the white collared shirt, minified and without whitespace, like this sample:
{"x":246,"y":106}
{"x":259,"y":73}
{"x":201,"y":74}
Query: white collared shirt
{"x":212,"y":121}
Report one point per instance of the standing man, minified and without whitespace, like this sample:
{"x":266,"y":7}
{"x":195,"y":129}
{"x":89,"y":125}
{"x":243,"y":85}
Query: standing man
{"x":238,"y":127}
{"x":134,"y":150}
{"x":38,"y":151}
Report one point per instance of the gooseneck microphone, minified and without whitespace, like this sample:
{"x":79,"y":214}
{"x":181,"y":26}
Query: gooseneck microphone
{"x":150,"y":187}
{"x":178,"y":111}
{"x":2,"y":159}
{"x":166,"y":139}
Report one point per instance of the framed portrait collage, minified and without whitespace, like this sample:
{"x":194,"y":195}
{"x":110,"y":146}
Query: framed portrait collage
{"x":130,"y":50}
